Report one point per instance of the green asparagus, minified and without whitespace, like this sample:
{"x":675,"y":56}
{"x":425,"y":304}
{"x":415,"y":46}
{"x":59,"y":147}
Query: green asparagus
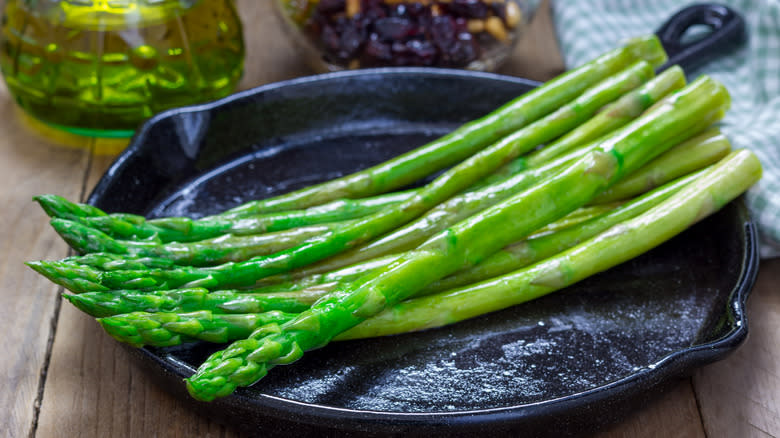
{"x":462,"y":245}
{"x":115,"y":302}
{"x":182,"y":229}
{"x":294,"y":297}
{"x":469,"y":138}
{"x":206,"y":252}
{"x":693,"y":154}
{"x":613,"y":116}
{"x":168,"y":329}
{"x":360,"y":230}
{"x":538,"y":246}
{"x":702,"y":194}
{"x":728,"y":179}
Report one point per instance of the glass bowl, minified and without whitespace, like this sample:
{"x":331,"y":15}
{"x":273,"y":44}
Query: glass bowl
{"x":350,"y":34}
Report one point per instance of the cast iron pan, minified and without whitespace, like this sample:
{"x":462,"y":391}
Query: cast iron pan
{"x":561,"y":365}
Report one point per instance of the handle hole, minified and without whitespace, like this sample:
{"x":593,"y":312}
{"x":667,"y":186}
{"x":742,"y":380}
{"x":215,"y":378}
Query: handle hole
{"x":695,"y":33}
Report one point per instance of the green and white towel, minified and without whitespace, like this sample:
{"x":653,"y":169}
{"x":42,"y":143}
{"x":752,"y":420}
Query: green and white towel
{"x":752,"y":75}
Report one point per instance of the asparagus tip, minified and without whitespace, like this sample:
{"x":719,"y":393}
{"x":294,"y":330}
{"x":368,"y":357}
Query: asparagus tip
{"x":51,"y":204}
{"x":86,"y":239}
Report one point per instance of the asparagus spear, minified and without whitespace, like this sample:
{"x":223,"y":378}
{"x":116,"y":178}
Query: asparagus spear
{"x":696,"y":153}
{"x":182,"y":229}
{"x":290,"y":297}
{"x":702,"y":195}
{"x":115,"y":302}
{"x":168,"y":329}
{"x":613,"y":116}
{"x":469,"y":138}
{"x":511,"y":258}
{"x":246,"y":361}
{"x":360,"y":230}
{"x":206,"y":252}
{"x":429,"y":158}
{"x":104,"y":261}
{"x":539,"y":247}
{"x":72,"y":276}
{"x":626,"y":240}
{"x":693,"y":154}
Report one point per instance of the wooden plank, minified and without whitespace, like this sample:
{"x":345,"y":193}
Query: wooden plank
{"x":31,"y":164}
{"x":536,"y":55}
{"x":673,"y":414}
{"x":270,"y":55}
{"x":740,"y":396}
{"x":93,"y":390}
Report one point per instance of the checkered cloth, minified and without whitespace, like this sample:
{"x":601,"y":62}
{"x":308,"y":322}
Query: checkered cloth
{"x":752,"y":75}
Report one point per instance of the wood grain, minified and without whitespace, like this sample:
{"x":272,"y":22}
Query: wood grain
{"x":536,"y":55}
{"x":92,"y":389}
{"x":673,"y":414}
{"x":29,"y":165}
{"x":740,"y":396}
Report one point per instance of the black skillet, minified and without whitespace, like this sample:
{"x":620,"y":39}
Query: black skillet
{"x":562,"y":365}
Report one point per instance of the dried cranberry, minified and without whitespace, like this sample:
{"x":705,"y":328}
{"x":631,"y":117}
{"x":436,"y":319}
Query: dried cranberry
{"x":423,"y":51}
{"x":399,"y":10}
{"x":461,"y":25}
{"x":464,"y":50}
{"x":330,"y":38}
{"x":468,"y":8}
{"x":373,"y":9}
{"x":331,"y":6}
{"x":378,"y":51}
{"x":416,"y":9}
{"x":398,"y":48}
{"x":443,"y":32}
{"x":352,"y":37}
{"x":405,"y":33}
{"x":393,"y":28}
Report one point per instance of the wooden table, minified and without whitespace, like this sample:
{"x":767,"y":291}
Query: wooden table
{"x":63,"y":376}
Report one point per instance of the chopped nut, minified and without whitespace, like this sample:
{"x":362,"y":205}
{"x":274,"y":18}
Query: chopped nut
{"x":475,"y":26}
{"x":353,"y":8}
{"x":354,"y":64}
{"x":513,"y":15}
{"x":495,"y":27}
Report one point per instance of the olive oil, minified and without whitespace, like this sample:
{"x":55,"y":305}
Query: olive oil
{"x":101,"y":67}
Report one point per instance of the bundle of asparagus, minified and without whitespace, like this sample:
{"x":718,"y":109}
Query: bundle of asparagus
{"x":595,"y":167}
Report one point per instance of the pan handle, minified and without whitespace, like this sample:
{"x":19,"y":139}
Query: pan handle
{"x":727,"y":31}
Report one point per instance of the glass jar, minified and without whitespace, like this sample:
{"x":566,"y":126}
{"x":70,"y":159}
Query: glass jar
{"x":342,"y":34}
{"x":101,"y":67}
